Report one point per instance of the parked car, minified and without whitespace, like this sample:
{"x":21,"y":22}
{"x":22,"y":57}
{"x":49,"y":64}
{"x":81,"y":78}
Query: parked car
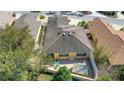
{"x":51,"y":13}
{"x":79,"y":14}
{"x":64,"y":12}
{"x":72,"y":12}
{"x":85,"y":12}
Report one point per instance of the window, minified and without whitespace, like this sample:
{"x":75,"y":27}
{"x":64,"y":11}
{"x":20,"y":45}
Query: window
{"x":78,"y":54}
{"x":63,"y":54}
{"x":81,"y":54}
{"x":50,"y":54}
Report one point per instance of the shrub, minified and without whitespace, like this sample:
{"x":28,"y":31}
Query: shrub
{"x":63,"y":74}
{"x":122,"y":12}
{"x":42,"y":17}
{"x":108,"y":13}
{"x":121,"y":73}
{"x":99,"y":55}
{"x":35,"y":11}
{"x":122,"y":29}
{"x":105,"y":77}
{"x":45,"y":77}
{"x":82,"y":24}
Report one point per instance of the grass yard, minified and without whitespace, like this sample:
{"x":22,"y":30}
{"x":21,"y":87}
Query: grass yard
{"x":41,"y":35}
{"x":45,"y":77}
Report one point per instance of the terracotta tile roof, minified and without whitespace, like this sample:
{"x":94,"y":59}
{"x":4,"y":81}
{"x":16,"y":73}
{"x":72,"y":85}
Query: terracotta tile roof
{"x":112,"y":30}
{"x":112,"y":40}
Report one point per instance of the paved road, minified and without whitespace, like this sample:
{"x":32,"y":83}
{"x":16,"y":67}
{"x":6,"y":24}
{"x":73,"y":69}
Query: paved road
{"x":116,"y":21}
{"x":107,"y":19}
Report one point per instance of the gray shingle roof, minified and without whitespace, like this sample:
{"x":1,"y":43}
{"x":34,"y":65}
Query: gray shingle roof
{"x":5,"y":18}
{"x":74,"y":40}
{"x":29,"y":19}
{"x":57,"y":21}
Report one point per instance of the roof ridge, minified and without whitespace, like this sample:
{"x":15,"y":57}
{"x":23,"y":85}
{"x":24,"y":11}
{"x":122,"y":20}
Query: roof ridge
{"x":81,"y":41}
{"x":111,"y":31}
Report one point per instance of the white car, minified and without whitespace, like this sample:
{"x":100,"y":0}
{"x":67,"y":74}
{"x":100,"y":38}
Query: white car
{"x":78,"y":14}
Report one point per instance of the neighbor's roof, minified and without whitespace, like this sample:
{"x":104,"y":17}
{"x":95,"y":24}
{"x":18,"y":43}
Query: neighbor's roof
{"x":112,"y":40}
{"x":6,"y":18}
{"x":57,"y":21}
{"x":74,"y":40}
{"x":30,"y":20}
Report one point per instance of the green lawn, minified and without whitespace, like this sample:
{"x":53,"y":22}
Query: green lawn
{"x":41,"y":35}
{"x":45,"y":77}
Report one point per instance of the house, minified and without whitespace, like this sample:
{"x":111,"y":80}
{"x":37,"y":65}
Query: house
{"x":67,"y":43}
{"x":110,"y":39}
{"x":64,"y":41}
{"x":6,"y":17}
{"x":30,"y":20}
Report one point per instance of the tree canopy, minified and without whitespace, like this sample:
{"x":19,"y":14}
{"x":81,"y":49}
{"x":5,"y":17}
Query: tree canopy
{"x":63,"y":74}
{"x":100,"y":55}
{"x":18,"y":58}
{"x":105,"y":77}
{"x":82,"y":24}
{"x":122,"y":29}
{"x":121,"y":72}
{"x":108,"y":13}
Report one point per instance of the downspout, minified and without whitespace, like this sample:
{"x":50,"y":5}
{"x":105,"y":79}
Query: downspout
{"x":94,"y":66}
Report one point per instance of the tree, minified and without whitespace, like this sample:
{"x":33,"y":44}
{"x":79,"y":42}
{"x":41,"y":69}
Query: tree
{"x":82,"y":24}
{"x":100,"y":55}
{"x":121,"y":72}
{"x":122,"y":29}
{"x":105,"y":77}
{"x":16,"y":52}
{"x":108,"y":13}
{"x":63,"y":74}
{"x":35,"y":11}
{"x":15,"y":48}
{"x":122,"y":12}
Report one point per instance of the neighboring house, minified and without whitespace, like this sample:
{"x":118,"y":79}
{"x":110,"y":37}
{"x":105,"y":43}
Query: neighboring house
{"x":110,"y":39}
{"x":6,"y":17}
{"x":30,"y":20}
{"x":64,"y":41}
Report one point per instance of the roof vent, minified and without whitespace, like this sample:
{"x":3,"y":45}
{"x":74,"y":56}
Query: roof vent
{"x":70,"y":34}
{"x":63,"y":34}
{"x":73,"y":32}
{"x":58,"y":33}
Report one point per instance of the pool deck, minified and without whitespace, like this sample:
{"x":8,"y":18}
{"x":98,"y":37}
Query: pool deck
{"x":70,"y":64}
